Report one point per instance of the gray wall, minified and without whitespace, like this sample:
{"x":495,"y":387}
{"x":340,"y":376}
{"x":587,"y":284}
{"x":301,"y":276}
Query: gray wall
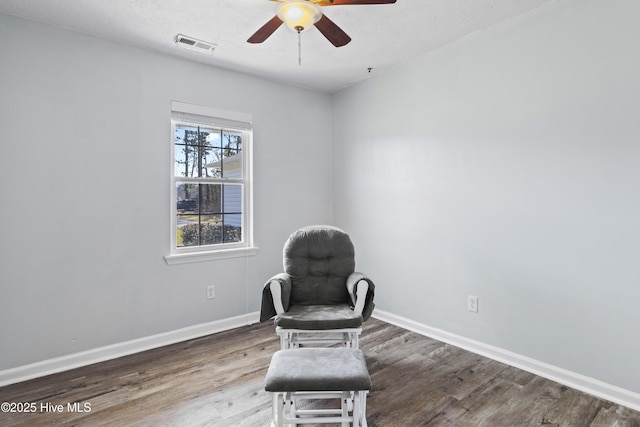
{"x":84,"y":178}
{"x":507,"y":166}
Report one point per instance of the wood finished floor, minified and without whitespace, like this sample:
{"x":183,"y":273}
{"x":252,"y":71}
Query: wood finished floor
{"x":218,"y":381}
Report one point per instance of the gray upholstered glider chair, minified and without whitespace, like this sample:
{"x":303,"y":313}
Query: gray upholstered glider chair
{"x":319,"y":298}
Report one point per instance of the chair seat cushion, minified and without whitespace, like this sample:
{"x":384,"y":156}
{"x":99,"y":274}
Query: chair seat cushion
{"x":318,"y":369}
{"x":319,"y":317}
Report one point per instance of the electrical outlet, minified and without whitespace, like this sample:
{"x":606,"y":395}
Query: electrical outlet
{"x":211,"y":292}
{"x":472,"y":303}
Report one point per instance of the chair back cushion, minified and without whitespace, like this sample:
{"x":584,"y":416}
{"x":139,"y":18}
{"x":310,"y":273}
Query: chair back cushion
{"x":319,"y":259}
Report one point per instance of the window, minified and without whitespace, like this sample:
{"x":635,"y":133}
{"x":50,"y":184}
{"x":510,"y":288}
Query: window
{"x":210,"y":184}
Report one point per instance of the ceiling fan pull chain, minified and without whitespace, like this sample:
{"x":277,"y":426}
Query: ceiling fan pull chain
{"x":299,"y":50}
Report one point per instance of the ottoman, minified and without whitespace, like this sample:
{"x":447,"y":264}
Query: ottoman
{"x":295,"y":375}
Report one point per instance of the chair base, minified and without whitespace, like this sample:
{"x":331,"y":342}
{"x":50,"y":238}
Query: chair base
{"x":286,"y":409}
{"x":293,"y":338}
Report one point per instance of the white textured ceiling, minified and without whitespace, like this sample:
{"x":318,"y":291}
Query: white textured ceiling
{"x":382,"y":35}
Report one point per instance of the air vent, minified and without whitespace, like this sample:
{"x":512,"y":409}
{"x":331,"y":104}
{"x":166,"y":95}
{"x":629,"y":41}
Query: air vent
{"x":194,"y":45}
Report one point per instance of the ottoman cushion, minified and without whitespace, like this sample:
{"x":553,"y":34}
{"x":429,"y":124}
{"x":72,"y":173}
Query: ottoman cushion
{"x":318,"y":369}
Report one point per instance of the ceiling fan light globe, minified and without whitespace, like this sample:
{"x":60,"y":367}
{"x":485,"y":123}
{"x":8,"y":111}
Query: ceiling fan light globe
{"x":299,"y":15}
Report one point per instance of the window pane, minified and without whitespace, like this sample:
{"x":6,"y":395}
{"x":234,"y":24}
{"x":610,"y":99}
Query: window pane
{"x":186,"y":150}
{"x":186,"y":134}
{"x":232,"y":198}
{"x":232,"y":154}
{"x":211,"y":200}
{"x":206,"y":152}
{"x":232,"y":166}
{"x":232,"y":228}
{"x":183,"y":159}
{"x":187,"y":233}
{"x":206,"y":155}
{"x":195,"y":148}
{"x":211,"y":230}
{"x":187,"y":198}
{"x":214,"y":167}
{"x":208,"y":214}
{"x":187,"y":216}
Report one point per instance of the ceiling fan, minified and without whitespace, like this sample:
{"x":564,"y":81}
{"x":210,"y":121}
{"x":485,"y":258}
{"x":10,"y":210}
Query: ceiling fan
{"x":300,"y":15}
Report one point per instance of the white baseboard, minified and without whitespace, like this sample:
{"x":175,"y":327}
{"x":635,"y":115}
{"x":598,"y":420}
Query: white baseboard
{"x":64,"y":363}
{"x":574,"y":380}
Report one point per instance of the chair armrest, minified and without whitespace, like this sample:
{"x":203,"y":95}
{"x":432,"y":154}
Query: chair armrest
{"x":276,"y":296}
{"x":361,"y":291}
{"x":361,"y":296}
{"x":271,"y":305}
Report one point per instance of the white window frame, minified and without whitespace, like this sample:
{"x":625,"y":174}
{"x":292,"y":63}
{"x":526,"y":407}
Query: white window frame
{"x":230,"y":120}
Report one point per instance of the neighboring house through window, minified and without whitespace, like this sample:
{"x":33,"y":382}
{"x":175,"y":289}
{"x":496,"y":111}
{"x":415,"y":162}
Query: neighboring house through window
{"x":211,"y":183}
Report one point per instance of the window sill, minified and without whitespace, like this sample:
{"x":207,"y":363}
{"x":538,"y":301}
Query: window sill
{"x":185,"y":258}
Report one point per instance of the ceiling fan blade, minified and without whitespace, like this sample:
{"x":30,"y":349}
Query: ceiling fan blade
{"x":341,"y":2}
{"x":266,"y":30}
{"x":332,"y":32}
